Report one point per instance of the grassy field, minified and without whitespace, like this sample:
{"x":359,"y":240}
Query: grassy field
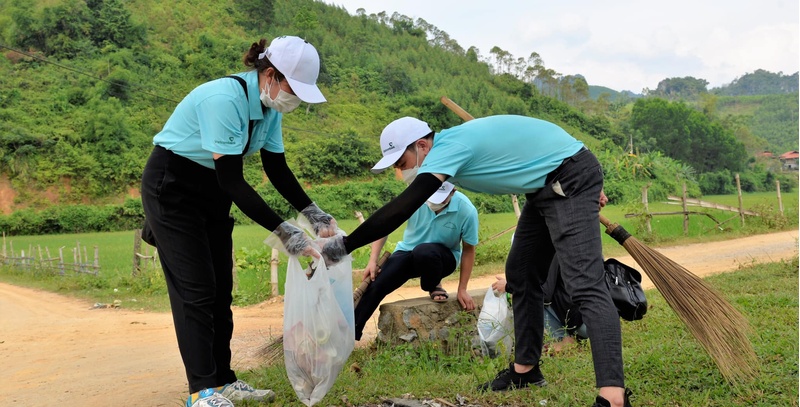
{"x":252,"y":256}
{"x":664,"y":365}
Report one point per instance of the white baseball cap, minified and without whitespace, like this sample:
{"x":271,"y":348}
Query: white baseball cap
{"x":442,"y":193}
{"x":396,"y":136}
{"x":298,"y":61}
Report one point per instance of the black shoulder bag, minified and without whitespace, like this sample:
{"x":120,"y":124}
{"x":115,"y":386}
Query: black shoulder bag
{"x":624,"y":284}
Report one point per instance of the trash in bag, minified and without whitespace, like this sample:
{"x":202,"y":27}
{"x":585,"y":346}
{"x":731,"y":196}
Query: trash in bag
{"x":318,"y":326}
{"x":495,"y":325}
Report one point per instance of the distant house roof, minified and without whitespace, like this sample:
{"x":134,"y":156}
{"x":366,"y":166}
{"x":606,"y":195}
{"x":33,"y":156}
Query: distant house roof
{"x":767,"y":154}
{"x":790,"y":155}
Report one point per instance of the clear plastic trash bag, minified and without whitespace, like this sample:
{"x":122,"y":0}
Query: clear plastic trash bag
{"x":495,"y":325}
{"x":318,"y":326}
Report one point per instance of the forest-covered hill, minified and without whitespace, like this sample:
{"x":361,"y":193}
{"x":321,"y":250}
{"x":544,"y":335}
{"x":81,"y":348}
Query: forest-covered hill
{"x":85,"y":84}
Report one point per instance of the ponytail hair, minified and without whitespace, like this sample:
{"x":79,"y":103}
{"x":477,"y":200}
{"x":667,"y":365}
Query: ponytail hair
{"x":251,"y":58}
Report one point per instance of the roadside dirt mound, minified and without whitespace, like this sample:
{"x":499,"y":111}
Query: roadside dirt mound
{"x":57,"y":350}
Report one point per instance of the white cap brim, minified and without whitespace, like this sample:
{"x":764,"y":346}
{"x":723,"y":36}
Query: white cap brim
{"x":307,"y":93}
{"x":387,"y":161}
{"x":442,"y":193}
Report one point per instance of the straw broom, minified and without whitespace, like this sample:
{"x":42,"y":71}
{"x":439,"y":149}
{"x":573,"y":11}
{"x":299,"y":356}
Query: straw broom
{"x":273,"y":350}
{"x":714,"y":322}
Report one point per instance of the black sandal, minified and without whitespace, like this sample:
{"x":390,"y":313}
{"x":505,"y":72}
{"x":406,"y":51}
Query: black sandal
{"x":439,"y":292}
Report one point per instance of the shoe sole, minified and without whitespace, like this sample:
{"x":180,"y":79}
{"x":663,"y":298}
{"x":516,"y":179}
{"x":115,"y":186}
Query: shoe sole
{"x":540,"y":383}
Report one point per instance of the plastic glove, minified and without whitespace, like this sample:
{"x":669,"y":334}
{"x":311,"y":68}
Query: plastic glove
{"x":333,"y":250}
{"x":324,"y":225}
{"x":295,"y":241}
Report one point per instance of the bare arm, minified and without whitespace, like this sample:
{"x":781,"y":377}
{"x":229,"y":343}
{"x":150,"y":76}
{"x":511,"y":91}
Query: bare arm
{"x":467,"y":263}
{"x":371,"y":270}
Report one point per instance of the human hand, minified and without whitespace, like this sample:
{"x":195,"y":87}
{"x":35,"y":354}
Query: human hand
{"x":603,"y":199}
{"x":499,"y":285}
{"x":295,"y":241}
{"x":465,"y":300}
{"x":333,"y":250}
{"x":371,"y":271}
{"x":324,"y":225}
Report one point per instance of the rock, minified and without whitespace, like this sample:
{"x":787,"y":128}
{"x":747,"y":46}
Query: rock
{"x":413,"y":319}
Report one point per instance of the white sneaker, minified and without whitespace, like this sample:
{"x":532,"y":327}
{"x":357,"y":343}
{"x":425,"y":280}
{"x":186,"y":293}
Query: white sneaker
{"x":239,"y":391}
{"x":209,"y":398}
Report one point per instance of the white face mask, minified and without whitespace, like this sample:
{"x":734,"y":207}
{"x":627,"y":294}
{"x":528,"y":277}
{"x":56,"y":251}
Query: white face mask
{"x":437,"y":207}
{"x":411,"y":173}
{"x":285,"y":102}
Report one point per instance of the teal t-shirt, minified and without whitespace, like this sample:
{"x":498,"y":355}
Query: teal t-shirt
{"x":214,"y":118}
{"x":456,"y":222}
{"x":500,"y":154}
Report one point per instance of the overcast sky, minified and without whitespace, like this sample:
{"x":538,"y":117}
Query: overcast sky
{"x":620,"y":44}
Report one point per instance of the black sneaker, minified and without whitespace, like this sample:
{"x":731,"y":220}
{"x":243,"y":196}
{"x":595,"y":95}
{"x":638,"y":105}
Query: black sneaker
{"x":509,"y":379}
{"x":601,"y":402}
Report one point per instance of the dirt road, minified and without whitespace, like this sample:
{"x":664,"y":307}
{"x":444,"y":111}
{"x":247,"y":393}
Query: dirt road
{"x":56,"y":350}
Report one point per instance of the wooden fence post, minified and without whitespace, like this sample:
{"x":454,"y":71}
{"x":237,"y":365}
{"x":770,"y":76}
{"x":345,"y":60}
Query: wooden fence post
{"x":96,"y":260}
{"x":137,"y":245}
{"x":685,"y":212}
{"x":61,"y":260}
{"x":739,"y":191}
{"x":646,"y":202}
{"x":233,"y":271}
{"x":780,"y":201}
{"x":273,"y":277}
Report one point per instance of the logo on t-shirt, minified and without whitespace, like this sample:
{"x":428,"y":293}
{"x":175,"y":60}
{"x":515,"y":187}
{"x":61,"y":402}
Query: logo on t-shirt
{"x":230,"y":141}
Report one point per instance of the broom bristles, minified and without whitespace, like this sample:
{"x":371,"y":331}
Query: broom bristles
{"x":719,"y":327}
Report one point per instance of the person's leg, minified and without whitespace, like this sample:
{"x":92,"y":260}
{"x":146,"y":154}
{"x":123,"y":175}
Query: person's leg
{"x":526,"y":269}
{"x":570,"y":204}
{"x":552,"y":325}
{"x":221,"y":245}
{"x":397,"y":269}
{"x":433,"y":262}
{"x":173,"y":206}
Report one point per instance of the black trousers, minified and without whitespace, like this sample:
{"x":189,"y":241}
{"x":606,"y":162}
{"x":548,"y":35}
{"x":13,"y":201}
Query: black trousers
{"x":562,"y":219}
{"x":189,"y":216}
{"x":431,"y":262}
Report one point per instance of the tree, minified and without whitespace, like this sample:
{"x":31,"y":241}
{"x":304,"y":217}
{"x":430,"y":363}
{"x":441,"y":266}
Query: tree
{"x":680,"y":88}
{"x":686,"y":134}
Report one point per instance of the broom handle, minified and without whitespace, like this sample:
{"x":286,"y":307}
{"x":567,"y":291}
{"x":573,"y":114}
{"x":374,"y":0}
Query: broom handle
{"x":607,"y":223}
{"x":456,"y":108}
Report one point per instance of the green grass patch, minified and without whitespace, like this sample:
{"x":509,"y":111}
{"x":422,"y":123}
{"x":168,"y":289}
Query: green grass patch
{"x":664,"y":364}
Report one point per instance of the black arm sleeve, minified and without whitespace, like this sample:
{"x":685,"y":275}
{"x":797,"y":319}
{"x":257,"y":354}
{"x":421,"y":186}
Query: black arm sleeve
{"x":231,"y":180}
{"x":388,"y":218}
{"x":282,"y":177}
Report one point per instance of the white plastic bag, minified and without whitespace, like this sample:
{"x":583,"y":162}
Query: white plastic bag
{"x":318,"y":326}
{"x":495,"y":325}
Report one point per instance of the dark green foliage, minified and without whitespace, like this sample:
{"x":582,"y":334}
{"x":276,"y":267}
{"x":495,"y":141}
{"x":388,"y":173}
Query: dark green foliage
{"x":334,"y":156}
{"x":680,"y":88}
{"x":761,"y":82}
{"x":74,"y":219}
{"x":687,"y":135}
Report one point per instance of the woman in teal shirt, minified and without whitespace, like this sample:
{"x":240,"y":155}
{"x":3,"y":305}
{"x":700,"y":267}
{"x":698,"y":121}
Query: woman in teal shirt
{"x":191,"y":179}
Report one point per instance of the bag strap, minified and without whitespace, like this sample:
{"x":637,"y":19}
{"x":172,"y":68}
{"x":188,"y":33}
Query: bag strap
{"x":250,"y":127}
